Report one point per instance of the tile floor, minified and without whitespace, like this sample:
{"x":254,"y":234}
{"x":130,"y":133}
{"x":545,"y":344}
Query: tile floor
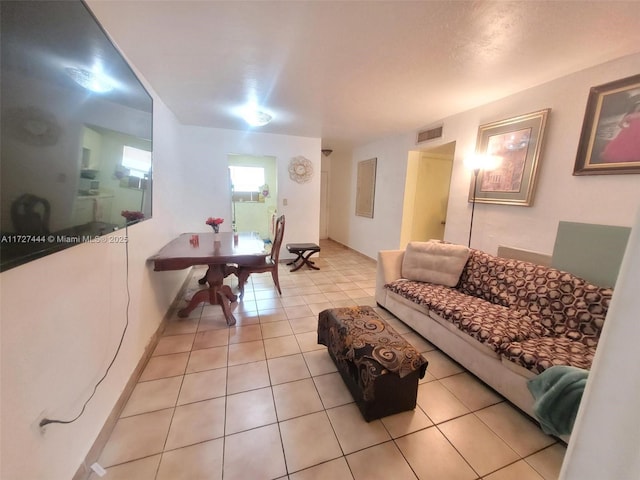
{"x":262,"y":400}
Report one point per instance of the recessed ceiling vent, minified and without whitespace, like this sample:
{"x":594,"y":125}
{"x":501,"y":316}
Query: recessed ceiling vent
{"x":430,"y":134}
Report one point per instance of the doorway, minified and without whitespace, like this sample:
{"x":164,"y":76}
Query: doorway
{"x":254,"y":193}
{"x":426,"y":197}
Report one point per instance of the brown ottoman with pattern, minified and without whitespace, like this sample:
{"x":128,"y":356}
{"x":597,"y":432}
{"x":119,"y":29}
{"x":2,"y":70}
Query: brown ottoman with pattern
{"x":381,"y":369}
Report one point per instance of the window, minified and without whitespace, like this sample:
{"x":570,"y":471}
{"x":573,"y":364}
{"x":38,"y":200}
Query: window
{"x":246,"y":179}
{"x":137,"y":161}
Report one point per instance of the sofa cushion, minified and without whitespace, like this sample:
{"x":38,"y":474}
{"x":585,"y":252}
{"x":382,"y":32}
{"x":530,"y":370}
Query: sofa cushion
{"x":538,"y":354}
{"x":434,"y":262}
{"x":490,"y":324}
{"x":562,"y":302}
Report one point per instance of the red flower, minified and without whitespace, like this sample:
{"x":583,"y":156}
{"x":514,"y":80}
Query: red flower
{"x":214,"y":221}
{"x":132,"y":215}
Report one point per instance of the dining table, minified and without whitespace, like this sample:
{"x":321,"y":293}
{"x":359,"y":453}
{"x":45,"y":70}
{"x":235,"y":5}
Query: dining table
{"x":222,"y":253}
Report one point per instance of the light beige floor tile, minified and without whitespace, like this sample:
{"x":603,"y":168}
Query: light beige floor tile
{"x":520,"y":470}
{"x":181,"y":326}
{"x":255,"y":454}
{"x":295,"y":399}
{"x":143,"y":469}
{"x":439,"y":403}
{"x":316,"y":308}
{"x":165,"y":366}
{"x":268,"y":304}
{"x":431,"y":456}
{"x":246,"y":352}
{"x":174,"y":344}
{"x":418,"y":342}
{"x":380,"y":462}
{"x":136,"y":437}
{"x":471,"y":391}
{"x":315,"y":298}
{"x":298,"y":312}
{"x":281,"y":346}
{"x":211,"y":338}
{"x":353,"y":432}
{"x":304,"y":324}
{"x":207,"y":359}
{"x":203,"y":460}
{"x":320,"y":362}
{"x":440,"y":365}
{"x":524,"y":436}
{"x":152,"y":395}
{"x":213,"y":322}
{"x":293,"y":301}
{"x":333,"y":392}
{"x":272,"y":315}
{"x":299,"y":452}
{"x":246,"y":318}
{"x":343,"y":303}
{"x":203,"y":386}
{"x":287,"y":369}
{"x":477,"y":443}
{"x":309,"y":342}
{"x":247,"y":333}
{"x":399,"y":326}
{"x":427,"y":377}
{"x":330,"y":288}
{"x":276,"y":329}
{"x":249,"y":410}
{"x":247,"y":376}
{"x":337,"y":469}
{"x":262,"y":291}
{"x":196,"y":422}
{"x":310,"y":289}
{"x":548,"y":462}
{"x":356,"y":293}
{"x":406,"y":422}
{"x":336,"y":295}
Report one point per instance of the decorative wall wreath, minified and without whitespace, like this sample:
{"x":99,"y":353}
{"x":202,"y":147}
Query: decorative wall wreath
{"x":300,"y":169}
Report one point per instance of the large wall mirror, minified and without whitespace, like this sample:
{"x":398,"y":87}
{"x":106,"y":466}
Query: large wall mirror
{"x":76,"y":137}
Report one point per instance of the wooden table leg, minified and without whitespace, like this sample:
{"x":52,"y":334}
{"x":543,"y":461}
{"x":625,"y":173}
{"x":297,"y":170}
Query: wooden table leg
{"x":216,"y":294}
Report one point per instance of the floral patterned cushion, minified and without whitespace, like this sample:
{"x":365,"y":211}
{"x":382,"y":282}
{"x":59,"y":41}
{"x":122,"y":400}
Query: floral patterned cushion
{"x":488,"y":323}
{"x":538,"y":354}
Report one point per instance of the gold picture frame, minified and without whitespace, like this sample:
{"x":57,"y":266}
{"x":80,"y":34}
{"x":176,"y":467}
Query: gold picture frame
{"x":517,"y":142}
{"x":610,"y":138}
{"x":366,"y":187}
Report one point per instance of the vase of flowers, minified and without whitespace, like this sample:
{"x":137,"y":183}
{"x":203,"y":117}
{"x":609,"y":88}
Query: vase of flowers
{"x":215,"y":224}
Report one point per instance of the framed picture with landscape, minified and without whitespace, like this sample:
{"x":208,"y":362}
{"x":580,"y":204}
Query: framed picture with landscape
{"x":610,"y":138}
{"x":516,"y":143}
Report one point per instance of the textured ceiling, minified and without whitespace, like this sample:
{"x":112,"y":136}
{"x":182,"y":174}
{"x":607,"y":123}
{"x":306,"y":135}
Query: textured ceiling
{"x":352,"y":71}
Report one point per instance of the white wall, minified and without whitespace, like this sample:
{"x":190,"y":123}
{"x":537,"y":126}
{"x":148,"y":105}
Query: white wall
{"x":606,"y":437}
{"x":605,"y":199}
{"x":61,"y":320}
{"x":203,"y":155}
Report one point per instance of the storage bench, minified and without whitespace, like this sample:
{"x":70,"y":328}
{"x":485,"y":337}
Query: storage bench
{"x":380,"y":368}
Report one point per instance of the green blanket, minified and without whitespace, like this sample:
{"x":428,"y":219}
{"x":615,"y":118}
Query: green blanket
{"x":557,"y":392}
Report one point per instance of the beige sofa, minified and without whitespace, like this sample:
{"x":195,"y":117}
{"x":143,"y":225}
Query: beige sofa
{"x":504,"y":320}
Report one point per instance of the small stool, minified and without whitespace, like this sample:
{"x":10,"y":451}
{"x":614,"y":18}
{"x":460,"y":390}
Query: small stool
{"x":380,"y":368}
{"x":304,"y":251}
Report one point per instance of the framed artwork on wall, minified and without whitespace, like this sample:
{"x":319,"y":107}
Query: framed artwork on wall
{"x":366,"y":187}
{"x":610,"y":138}
{"x":517,"y":143}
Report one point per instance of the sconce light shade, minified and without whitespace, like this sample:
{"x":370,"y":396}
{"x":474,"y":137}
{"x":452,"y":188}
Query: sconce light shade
{"x":326,"y":152}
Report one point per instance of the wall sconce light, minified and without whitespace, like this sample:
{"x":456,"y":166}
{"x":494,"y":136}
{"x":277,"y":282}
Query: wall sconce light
{"x":475,"y":163}
{"x":326,"y":152}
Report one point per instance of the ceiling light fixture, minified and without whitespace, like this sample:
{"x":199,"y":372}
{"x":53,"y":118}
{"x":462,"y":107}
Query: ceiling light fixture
{"x":257,"y":118}
{"x":95,"y":80}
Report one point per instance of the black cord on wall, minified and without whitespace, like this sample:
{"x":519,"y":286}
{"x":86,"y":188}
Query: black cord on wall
{"x":47,"y":421}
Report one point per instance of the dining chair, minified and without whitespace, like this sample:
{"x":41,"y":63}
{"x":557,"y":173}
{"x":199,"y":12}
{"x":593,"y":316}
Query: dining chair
{"x":270,"y":264}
